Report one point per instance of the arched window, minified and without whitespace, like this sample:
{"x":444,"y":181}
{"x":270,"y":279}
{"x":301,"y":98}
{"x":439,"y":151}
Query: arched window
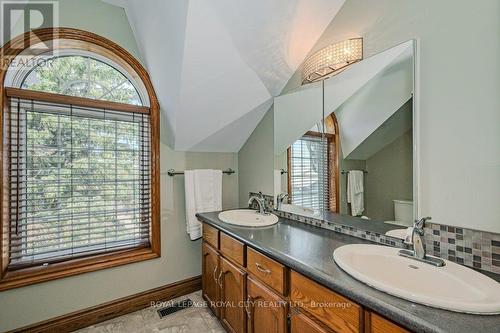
{"x":80,"y":184}
{"x":81,"y":76}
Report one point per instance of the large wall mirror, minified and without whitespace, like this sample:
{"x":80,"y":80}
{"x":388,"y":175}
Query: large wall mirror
{"x":344,"y":147}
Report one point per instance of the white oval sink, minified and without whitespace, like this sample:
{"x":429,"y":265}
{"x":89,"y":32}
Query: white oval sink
{"x":397,"y":233}
{"x":247,"y":218}
{"x":451,"y":287}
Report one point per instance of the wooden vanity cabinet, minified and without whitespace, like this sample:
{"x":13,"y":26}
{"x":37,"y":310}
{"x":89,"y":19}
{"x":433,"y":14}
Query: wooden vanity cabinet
{"x":301,"y":322}
{"x":266,"y":310}
{"x":232,"y":297}
{"x":210,"y":275}
{"x":224,"y":278}
{"x":336,"y":311}
{"x":377,"y":324}
{"x":252,"y":293}
{"x":232,"y":249}
{"x":211,"y":236}
{"x":272,"y":273}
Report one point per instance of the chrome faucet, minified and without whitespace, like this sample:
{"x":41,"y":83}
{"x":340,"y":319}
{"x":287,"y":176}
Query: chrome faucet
{"x":260,"y":201}
{"x":417,"y":237}
{"x":417,"y":240}
{"x":279,"y":199}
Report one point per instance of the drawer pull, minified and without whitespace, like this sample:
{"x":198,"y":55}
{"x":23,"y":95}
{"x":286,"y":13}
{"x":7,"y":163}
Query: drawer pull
{"x":215,"y":273}
{"x":219,"y":280}
{"x":247,"y":307}
{"x":262,"y":269}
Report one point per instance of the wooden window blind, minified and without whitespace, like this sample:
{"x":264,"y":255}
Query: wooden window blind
{"x":79,"y":181}
{"x":308,"y":172}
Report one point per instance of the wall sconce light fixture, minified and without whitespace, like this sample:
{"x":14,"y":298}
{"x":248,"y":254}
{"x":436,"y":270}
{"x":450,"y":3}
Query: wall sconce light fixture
{"x":332,"y":60}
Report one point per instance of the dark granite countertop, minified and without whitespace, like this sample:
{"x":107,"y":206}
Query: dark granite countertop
{"x":309,"y":251}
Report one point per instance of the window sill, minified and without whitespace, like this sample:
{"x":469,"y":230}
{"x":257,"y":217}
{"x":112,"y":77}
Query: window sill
{"x":32,"y":275}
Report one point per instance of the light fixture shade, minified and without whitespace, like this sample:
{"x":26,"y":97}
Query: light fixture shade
{"x":331,"y":59}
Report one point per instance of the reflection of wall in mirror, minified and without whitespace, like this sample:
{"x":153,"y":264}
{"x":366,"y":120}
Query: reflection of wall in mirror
{"x":280,"y":163}
{"x":390,"y":177}
{"x":387,"y":155}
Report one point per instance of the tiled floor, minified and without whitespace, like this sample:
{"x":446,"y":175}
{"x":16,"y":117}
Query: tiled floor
{"x":195,"y":319}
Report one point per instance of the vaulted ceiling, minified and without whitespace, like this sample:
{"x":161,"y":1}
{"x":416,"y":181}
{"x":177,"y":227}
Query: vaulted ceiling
{"x":217,"y":64}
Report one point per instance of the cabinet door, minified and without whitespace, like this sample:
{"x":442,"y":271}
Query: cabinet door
{"x":378,"y":324}
{"x":210,"y":274}
{"x":232,"y":297}
{"x":300,"y":323}
{"x":266,"y":311}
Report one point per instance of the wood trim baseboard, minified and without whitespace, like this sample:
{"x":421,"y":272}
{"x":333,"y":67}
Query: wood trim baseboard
{"x":96,"y":314}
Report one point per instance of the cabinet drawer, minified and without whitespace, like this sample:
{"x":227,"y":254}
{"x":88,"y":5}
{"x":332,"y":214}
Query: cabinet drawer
{"x":267,"y":270}
{"x":232,"y":249}
{"x":211,"y":235}
{"x":382,"y":325}
{"x":337,"y":312}
{"x":300,"y":322}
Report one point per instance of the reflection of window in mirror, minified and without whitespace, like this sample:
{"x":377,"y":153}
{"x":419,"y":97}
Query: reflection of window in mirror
{"x":313,"y":168}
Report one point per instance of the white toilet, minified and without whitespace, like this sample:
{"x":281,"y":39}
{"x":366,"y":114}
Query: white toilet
{"x":403,"y":213}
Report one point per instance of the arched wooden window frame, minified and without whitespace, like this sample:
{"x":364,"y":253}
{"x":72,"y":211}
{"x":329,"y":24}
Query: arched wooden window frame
{"x":333,"y":165}
{"x":333,"y":153}
{"x":68,"y":38}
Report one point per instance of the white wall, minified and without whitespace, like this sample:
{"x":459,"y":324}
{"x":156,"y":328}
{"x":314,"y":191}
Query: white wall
{"x":256,"y":160}
{"x":459,"y":138}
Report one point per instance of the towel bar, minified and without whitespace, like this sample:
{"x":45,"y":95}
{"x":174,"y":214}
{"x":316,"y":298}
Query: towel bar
{"x":172,"y":172}
{"x":344,"y":172}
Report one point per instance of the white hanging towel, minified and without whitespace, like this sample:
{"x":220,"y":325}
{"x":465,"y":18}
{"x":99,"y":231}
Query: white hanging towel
{"x":355,"y":189}
{"x":203,"y":190}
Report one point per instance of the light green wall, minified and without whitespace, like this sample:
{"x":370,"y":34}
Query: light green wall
{"x":256,"y":160}
{"x":181,"y":258}
{"x":390,"y":177}
{"x":458,"y":117}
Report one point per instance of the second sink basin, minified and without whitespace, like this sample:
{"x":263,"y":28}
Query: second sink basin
{"x":451,"y":287}
{"x":303,"y":211}
{"x":247,"y":218}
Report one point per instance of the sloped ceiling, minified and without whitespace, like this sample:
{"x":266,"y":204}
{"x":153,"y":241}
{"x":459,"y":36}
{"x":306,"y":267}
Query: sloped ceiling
{"x":216,"y":65}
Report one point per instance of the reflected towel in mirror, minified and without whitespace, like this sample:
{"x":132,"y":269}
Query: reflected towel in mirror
{"x":355,"y":192}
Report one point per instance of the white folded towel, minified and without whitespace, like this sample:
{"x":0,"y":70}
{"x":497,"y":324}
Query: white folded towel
{"x":203,"y":189}
{"x":355,"y":189}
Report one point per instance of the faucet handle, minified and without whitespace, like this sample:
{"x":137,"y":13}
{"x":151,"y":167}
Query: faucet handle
{"x":419,"y":224}
{"x":282,"y":196}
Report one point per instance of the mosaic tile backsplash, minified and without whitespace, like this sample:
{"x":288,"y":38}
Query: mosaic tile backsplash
{"x":473,"y":248}
{"x":344,"y":229}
